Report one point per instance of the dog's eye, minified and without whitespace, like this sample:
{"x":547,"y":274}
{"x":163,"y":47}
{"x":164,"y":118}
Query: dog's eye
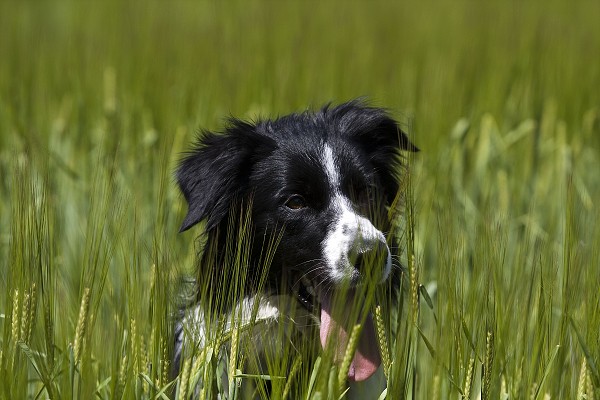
{"x":295,"y":202}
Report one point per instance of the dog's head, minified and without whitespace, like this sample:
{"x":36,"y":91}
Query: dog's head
{"x":322,"y":181}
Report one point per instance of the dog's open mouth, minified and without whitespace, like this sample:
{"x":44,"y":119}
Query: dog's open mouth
{"x":335,"y":328}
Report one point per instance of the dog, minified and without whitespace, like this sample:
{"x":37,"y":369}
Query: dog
{"x":313,"y":197}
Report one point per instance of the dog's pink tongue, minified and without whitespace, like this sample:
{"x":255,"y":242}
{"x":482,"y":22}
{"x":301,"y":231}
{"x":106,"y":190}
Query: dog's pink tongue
{"x":366,"y":358}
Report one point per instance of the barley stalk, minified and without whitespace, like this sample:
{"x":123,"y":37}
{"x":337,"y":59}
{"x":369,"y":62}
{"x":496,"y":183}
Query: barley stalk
{"x":134,"y":346}
{"x":382,"y":340}
{"x":49,"y":332}
{"x":31,"y":313}
{"x":534,"y":389}
{"x":185,"y":377}
{"x":517,"y":381}
{"x":164,"y":378}
{"x":206,"y":372}
{"x":122,"y":376}
{"x":435,"y":392}
{"x":345,"y":366}
{"x":488,"y":363}
{"x":503,"y":388}
{"x":291,"y":376}
{"x":414,"y":289}
{"x":233,"y":357}
{"x":16,"y":321}
{"x":144,"y":363}
{"x":581,"y":386}
{"x":81,"y":324}
{"x":469,"y":379}
{"x":235,"y":338}
{"x":589,"y":387}
{"x":15,"y":326}
{"x":25,"y":322}
{"x":198,"y":362}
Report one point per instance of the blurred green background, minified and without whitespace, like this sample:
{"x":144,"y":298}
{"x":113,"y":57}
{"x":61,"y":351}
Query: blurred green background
{"x":99,"y":99}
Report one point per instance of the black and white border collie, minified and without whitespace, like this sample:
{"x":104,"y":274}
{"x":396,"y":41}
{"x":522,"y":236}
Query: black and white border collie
{"x":319,"y":189}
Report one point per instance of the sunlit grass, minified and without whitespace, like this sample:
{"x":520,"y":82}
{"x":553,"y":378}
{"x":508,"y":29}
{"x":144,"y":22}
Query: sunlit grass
{"x":500,"y":235}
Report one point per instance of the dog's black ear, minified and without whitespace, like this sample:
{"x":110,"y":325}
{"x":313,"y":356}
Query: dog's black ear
{"x":216,"y":171}
{"x":380,"y":137}
{"x":385,"y":142}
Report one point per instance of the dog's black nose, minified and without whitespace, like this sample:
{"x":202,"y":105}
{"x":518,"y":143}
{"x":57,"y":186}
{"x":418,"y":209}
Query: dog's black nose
{"x":369,"y":260}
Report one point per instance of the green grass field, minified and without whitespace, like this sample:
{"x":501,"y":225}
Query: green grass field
{"x":99,"y":99}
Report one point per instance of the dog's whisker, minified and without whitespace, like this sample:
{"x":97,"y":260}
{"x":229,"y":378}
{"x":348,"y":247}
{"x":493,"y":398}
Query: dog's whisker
{"x":319,"y":269}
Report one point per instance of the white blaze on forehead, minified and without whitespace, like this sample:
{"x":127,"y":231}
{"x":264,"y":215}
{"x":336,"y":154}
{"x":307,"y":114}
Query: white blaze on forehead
{"x":330,"y":168}
{"x":349,"y":232}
